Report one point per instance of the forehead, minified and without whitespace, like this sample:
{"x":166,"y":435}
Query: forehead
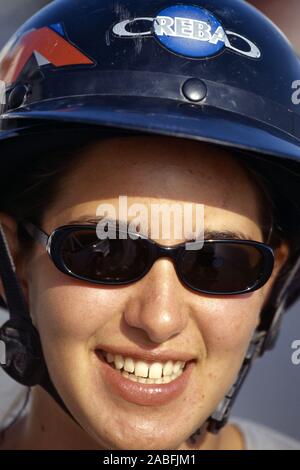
{"x":149,"y":169}
{"x":162,"y":167}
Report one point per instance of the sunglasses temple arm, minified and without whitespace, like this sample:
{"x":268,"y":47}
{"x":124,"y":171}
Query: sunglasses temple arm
{"x":36,"y":233}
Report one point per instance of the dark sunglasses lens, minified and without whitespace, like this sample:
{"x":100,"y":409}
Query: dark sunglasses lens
{"x":108,"y":260}
{"x":223,"y":267}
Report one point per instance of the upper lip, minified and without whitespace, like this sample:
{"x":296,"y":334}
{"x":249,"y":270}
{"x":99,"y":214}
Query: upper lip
{"x":148,"y":356}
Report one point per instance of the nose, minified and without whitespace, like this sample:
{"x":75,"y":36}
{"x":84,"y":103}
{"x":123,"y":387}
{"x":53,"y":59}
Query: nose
{"x":158,"y":305}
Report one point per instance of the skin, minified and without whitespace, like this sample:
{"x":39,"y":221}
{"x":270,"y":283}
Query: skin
{"x":284,"y":15}
{"x":158,"y":312}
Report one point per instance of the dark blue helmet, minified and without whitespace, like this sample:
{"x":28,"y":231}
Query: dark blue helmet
{"x":209,"y":70}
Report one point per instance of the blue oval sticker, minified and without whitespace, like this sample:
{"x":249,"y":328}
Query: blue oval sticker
{"x":189,"y":31}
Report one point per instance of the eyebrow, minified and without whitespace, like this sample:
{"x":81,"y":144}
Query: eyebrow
{"x":208,"y":234}
{"x":225,"y":234}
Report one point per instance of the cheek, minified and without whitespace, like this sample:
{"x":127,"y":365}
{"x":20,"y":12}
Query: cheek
{"x":66,"y":310}
{"x":227,"y":323}
{"x":226,"y":326}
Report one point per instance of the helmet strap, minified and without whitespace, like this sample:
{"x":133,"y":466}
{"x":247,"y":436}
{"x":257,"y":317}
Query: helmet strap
{"x":220,"y":416}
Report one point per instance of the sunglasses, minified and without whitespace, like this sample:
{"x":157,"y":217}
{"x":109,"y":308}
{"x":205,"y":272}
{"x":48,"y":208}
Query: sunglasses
{"x":220,"y":267}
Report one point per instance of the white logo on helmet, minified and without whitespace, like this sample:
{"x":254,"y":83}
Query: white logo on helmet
{"x":188,"y":31}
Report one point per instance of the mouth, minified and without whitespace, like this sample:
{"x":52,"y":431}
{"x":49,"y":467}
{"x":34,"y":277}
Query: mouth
{"x":144,"y":383}
{"x":142,"y":371}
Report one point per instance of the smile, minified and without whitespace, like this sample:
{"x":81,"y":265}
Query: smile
{"x":143,"y":372}
{"x":144,"y":383}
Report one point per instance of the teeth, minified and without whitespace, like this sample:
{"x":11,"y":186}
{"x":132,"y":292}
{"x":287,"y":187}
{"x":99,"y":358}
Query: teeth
{"x":177,"y":367}
{"x":143,"y":372}
{"x":155,"y":371}
{"x":141,"y":369}
{"x":143,"y":380}
{"x":109,"y":357}
{"x":129,"y":364}
{"x":167,"y":379}
{"x":133,"y":377}
{"x":119,"y":362}
{"x":168,"y":368}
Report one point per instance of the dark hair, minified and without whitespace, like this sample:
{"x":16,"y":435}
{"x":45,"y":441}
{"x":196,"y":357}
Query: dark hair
{"x":34,"y":188}
{"x":270,"y":218}
{"x":40,"y":162}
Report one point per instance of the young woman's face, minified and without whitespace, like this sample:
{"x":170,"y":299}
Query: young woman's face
{"x":157,"y":313}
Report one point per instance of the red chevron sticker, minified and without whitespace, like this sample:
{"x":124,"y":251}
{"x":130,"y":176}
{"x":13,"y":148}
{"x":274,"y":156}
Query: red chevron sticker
{"x":46,"y":42}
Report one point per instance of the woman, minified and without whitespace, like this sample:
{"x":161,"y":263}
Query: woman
{"x":139,"y":344}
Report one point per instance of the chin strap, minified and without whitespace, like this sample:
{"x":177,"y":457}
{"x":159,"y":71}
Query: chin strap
{"x":221,"y":415}
{"x":25,"y":361}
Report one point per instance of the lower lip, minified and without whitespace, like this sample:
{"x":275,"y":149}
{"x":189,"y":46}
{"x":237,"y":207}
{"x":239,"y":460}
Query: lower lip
{"x":145,"y":394}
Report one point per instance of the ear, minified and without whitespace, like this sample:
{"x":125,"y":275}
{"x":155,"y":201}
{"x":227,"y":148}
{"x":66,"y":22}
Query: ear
{"x":281,"y":254}
{"x":9,"y":226}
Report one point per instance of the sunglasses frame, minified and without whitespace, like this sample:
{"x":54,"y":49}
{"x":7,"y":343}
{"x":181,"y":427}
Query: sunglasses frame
{"x":52,"y":244}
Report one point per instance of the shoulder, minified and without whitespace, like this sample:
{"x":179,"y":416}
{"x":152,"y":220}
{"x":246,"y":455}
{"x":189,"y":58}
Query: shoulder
{"x":259,"y":437}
